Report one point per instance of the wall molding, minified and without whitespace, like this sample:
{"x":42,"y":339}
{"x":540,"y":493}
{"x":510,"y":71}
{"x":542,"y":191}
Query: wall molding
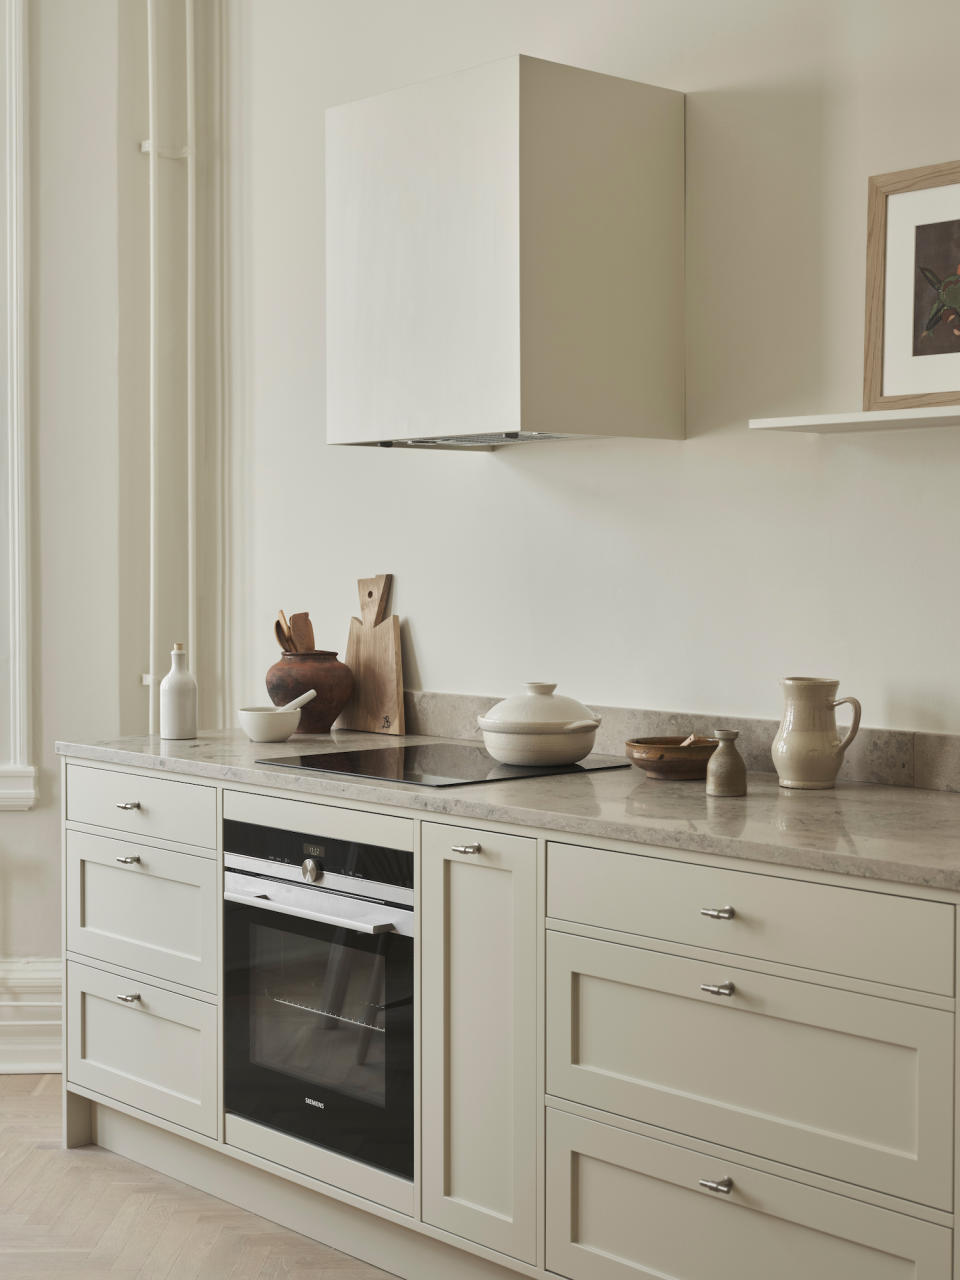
{"x":17,"y":775}
{"x":31,"y":1016}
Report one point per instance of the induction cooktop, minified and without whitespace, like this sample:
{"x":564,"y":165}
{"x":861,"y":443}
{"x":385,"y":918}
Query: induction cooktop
{"x":442,"y":764}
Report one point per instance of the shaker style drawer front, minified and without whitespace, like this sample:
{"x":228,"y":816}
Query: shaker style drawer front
{"x":143,"y":1046}
{"x":141,"y":806}
{"x":621,"y":1207}
{"x":145,"y":908}
{"x":878,"y":937}
{"x":850,"y":1086}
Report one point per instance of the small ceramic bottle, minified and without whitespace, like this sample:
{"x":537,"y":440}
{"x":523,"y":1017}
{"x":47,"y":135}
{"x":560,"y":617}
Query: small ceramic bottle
{"x":726,"y":772}
{"x":178,"y":698}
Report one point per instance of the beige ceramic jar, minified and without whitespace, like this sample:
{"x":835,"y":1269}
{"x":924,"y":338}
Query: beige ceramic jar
{"x":808,"y":750}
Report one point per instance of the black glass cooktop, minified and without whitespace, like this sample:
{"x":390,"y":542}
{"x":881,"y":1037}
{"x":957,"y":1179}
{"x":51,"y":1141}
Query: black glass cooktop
{"x":439,"y":764}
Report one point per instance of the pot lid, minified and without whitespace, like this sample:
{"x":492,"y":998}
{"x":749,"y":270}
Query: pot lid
{"x":538,"y":710}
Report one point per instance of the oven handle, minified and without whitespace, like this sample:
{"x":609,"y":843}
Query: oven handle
{"x":264,"y":902}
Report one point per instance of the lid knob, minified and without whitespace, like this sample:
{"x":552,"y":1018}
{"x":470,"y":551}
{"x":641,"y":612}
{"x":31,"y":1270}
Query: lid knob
{"x":536,"y":686}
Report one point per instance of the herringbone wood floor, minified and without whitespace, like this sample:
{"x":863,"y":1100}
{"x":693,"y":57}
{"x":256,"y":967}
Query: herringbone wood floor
{"x":91,"y":1214}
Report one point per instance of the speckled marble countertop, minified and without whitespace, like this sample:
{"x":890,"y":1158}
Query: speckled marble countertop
{"x":897,"y":834}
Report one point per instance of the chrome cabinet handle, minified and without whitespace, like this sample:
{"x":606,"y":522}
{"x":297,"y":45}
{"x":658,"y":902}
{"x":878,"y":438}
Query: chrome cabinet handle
{"x":128,"y":804}
{"x":718,"y":913}
{"x":131,"y":999}
{"x":467,"y":848}
{"x":724,"y":1186}
{"x":128,"y":862}
{"x":723,"y":989}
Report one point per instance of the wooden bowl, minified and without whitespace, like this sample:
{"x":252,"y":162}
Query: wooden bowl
{"x":666,"y":760}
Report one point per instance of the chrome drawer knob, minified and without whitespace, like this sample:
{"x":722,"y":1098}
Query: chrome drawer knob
{"x":723,"y":1187}
{"x":130,"y":999}
{"x":721,"y":989}
{"x":718,"y":913}
{"x":471,"y":849}
{"x":128,"y":804}
{"x":128,"y":861}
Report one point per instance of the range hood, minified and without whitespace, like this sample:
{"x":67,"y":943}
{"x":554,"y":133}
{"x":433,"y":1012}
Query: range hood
{"x":504,"y":260}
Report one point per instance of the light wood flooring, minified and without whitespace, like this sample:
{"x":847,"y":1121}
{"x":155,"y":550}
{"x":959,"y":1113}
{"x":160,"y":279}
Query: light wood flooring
{"x":89,"y":1213}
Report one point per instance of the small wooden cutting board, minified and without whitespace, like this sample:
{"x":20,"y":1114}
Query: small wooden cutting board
{"x":373,"y":655}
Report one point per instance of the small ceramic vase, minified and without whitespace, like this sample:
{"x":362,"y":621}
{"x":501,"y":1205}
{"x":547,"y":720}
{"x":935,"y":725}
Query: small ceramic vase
{"x":726,"y":772}
{"x":295,"y":673}
{"x":808,"y":750}
{"x":178,"y":699}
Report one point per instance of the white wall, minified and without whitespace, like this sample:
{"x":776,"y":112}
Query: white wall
{"x":74,"y":429}
{"x":680,"y":576}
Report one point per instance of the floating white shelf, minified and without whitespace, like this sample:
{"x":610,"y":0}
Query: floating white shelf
{"x":876,"y":420}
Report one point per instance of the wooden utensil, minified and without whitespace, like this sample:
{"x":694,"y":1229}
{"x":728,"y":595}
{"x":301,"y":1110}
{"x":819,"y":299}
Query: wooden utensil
{"x":301,"y":629}
{"x":282,"y":640}
{"x":373,"y":655}
{"x":285,"y":628}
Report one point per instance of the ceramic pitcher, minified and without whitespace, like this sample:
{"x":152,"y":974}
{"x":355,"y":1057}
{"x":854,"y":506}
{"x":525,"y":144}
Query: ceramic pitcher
{"x":808,"y":750}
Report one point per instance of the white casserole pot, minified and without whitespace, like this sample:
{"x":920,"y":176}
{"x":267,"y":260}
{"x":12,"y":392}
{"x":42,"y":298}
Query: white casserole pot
{"x":537,"y":727}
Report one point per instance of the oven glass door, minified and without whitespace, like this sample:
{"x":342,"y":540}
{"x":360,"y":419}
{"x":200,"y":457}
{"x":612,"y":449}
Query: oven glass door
{"x":319,"y":1033}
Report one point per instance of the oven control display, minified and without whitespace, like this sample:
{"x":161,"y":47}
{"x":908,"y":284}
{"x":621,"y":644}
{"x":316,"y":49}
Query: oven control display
{"x":315,"y":851}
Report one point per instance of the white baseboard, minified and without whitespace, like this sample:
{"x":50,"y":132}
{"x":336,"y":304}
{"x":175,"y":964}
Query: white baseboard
{"x":31,"y":1016}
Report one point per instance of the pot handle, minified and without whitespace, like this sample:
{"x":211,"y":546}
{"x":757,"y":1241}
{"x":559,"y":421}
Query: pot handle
{"x":855,"y":703}
{"x":576,"y":725}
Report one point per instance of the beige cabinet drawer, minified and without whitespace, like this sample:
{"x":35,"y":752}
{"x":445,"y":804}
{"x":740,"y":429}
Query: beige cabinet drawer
{"x":876,"y":936}
{"x":139,"y":805}
{"x":847,"y":1085}
{"x":149,"y":909}
{"x":158,"y":1052}
{"x":620,"y":1207}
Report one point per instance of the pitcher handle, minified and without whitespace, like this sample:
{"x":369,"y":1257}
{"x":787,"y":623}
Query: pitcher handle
{"x":855,"y":703}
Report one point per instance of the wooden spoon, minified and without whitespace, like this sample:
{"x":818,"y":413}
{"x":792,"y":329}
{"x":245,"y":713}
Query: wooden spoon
{"x":281,"y":637}
{"x":286,"y":628}
{"x":301,"y":629}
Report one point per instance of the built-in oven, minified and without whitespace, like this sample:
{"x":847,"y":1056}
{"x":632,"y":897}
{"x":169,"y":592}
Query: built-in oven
{"x":318,"y":974}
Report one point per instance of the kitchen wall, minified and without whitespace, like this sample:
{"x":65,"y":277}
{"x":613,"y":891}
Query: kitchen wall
{"x":664,"y":575}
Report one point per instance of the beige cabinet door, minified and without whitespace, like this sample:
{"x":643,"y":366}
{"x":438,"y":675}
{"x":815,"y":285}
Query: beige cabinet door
{"x":847,"y":1085}
{"x":144,"y":1046}
{"x":149,"y":909}
{"x":620,"y":1207}
{"x":480,"y":1037}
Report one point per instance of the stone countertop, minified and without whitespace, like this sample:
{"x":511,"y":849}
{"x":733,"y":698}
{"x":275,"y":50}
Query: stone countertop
{"x":896,"y":834}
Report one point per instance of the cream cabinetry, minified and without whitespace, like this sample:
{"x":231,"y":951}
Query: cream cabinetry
{"x":847,"y":1085}
{"x":149,"y":909}
{"x":621,"y":1206}
{"x":143,"y":1045}
{"x":479,"y":995}
{"x":134,"y":803}
{"x":877,"y":936}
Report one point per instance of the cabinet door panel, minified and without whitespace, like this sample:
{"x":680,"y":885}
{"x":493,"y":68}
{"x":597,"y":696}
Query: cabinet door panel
{"x":153,"y":910}
{"x":621,"y":1207}
{"x":479,"y":1037}
{"x":850,"y":1086}
{"x":158,"y":1052}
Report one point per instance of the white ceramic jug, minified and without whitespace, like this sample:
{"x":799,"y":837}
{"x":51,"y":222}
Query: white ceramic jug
{"x":807,"y":751}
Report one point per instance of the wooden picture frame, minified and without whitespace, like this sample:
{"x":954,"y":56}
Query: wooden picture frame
{"x":880,"y":189}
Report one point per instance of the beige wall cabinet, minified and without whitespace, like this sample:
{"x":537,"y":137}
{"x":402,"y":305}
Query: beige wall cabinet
{"x":621,"y":1207}
{"x":479,"y":994}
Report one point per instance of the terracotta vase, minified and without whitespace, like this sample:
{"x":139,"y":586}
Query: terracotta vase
{"x":295,"y":673}
{"x":808,"y":750}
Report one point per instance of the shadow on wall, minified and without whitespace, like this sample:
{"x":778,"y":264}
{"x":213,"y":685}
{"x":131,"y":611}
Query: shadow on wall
{"x":755,"y":260}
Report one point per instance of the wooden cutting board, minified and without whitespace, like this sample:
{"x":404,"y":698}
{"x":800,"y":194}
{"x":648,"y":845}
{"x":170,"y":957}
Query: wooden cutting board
{"x":373,"y":655}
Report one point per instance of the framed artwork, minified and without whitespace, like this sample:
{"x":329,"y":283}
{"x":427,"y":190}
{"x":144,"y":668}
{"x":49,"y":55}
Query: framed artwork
{"x":912,"y":344}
